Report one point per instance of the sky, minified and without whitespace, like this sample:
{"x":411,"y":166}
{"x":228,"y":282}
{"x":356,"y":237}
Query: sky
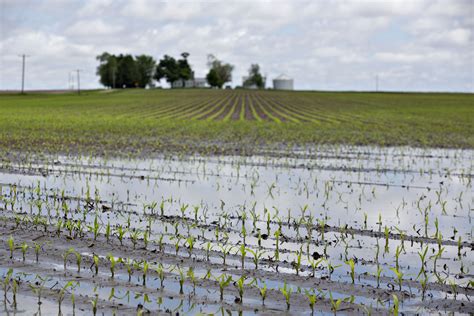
{"x":415,"y":45}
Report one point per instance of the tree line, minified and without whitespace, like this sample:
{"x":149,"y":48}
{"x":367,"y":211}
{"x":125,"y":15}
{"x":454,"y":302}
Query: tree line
{"x":127,"y":71}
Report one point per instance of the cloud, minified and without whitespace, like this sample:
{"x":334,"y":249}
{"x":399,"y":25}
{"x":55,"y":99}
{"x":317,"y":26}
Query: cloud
{"x":340,"y":44}
{"x":94,"y":27}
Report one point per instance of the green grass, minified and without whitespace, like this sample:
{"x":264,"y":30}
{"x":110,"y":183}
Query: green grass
{"x":149,"y":121}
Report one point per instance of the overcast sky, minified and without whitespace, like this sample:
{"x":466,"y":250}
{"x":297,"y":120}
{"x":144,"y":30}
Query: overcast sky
{"x":324,"y":45}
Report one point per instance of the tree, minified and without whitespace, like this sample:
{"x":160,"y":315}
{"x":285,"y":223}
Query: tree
{"x":255,"y":77}
{"x":107,"y":69}
{"x":122,"y":71}
{"x":185,"y":70}
{"x":146,"y":69}
{"x":127,"y":76}
{"x":219,"y":73}
{"x":173,"y":70}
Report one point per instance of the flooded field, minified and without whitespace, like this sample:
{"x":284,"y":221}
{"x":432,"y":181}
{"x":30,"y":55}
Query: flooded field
{"x":356,"y":230}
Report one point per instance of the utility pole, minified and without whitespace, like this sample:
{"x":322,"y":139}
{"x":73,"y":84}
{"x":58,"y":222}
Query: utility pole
{"x":23,"y":72}
{"x":376,"y":83}
{"x":113,"y":78}
{"x":78,"y":81}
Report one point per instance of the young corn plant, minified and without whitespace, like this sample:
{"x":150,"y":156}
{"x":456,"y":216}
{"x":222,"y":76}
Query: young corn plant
{"x":113,"y":261}
{"x":243,"y":252}
{"x":192,"y":277}
{"x":314,"y":265}
{"x":38,"y":247}
{"x":263,"y":292}
{"x":286,"y":291}
{"x":62,"y":293}
{"x":241,"y":287}
{"x":395,"y":305}
{"x":24,"y":248}
{"x":277,"y":244}
{"x":297,"y":263}
{"x":6,"y":284}
{"x":145,"y":267}
{"x":387,"y":234}
{"x":11,"y":245}
{"x":312,"y":297}
{"x":95,"y":228}
{"x":190,"y":243}
{"x":129,"y":265}
{"x":161,"y":274}
{"x":208,"y":249}
{"x":379,"y":272}
{"x":331,"y":268}
{"x":225,"y":250}
{"x":95,"y":263}
{"x":422,"y":254}
{"x":176,"y":243}
{"x":335,"y":304}
{"x":398,"y":251}
{"x":351,"y":265}
{"x":257,"y":254}
{"x":224,"y":281}
{"x":134,"y":235}
{"x":146,"y":238}
{"x":181,"y":279}
{"x":399,"y":275}
{"x":120,"y":232}
{"x":161,"y":247}
{"x":38,"y":286}
{"x":94,"y":303}
{"x":424,"y":286}
{"x":78,"y":259}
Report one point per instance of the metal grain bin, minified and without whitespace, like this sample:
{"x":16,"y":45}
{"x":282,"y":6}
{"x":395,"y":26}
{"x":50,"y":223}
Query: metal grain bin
{"x":283,"y":82}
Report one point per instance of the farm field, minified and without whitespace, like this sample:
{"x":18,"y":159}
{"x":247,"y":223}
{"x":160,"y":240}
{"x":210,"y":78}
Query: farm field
{"x":356,"y":229}
{"x":196,"y":202}
{"x":208,"y":121}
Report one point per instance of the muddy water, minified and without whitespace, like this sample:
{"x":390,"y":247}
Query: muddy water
{"x":426,"y":195}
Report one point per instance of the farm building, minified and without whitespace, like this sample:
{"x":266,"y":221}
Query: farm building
{"x":191,"y":83}
{"x":246,"y":85}
{"x":283,"y":82}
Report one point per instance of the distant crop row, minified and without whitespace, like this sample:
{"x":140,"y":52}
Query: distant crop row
{"x":231,"y":106}
{"x":197,"y":118}
{"x":245,"y":105}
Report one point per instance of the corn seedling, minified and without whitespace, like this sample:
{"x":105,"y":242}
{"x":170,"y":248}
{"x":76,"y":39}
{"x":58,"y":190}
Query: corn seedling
{"x":224,"y":281}
{"x":335,"y":304}
{"x":395,"y":305}
{"x":95,"y":260}
{"x":161,"y":274}
{"x":312,"y":297}
{"x":24,"y":248}
{"x":351,"y":265}
{"x":241,"y":287}
{"x":263,"y":292}
{"x":399,"y":275}
{"x":145,"y":267}
{"x":192,"y":277}
{"x":286,"y":291}
{"x":190,"y":242}
{"x":225,"y":250}
{"x":94,"y":302}
{"x":11,"y":245}
{"x":113,"y":261}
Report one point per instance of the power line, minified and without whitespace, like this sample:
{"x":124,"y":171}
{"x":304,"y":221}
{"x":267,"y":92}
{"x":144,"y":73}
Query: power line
{"x":23,"y":57}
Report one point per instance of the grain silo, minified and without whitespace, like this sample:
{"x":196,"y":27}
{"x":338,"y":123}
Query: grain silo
{"x":283,"y":82}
